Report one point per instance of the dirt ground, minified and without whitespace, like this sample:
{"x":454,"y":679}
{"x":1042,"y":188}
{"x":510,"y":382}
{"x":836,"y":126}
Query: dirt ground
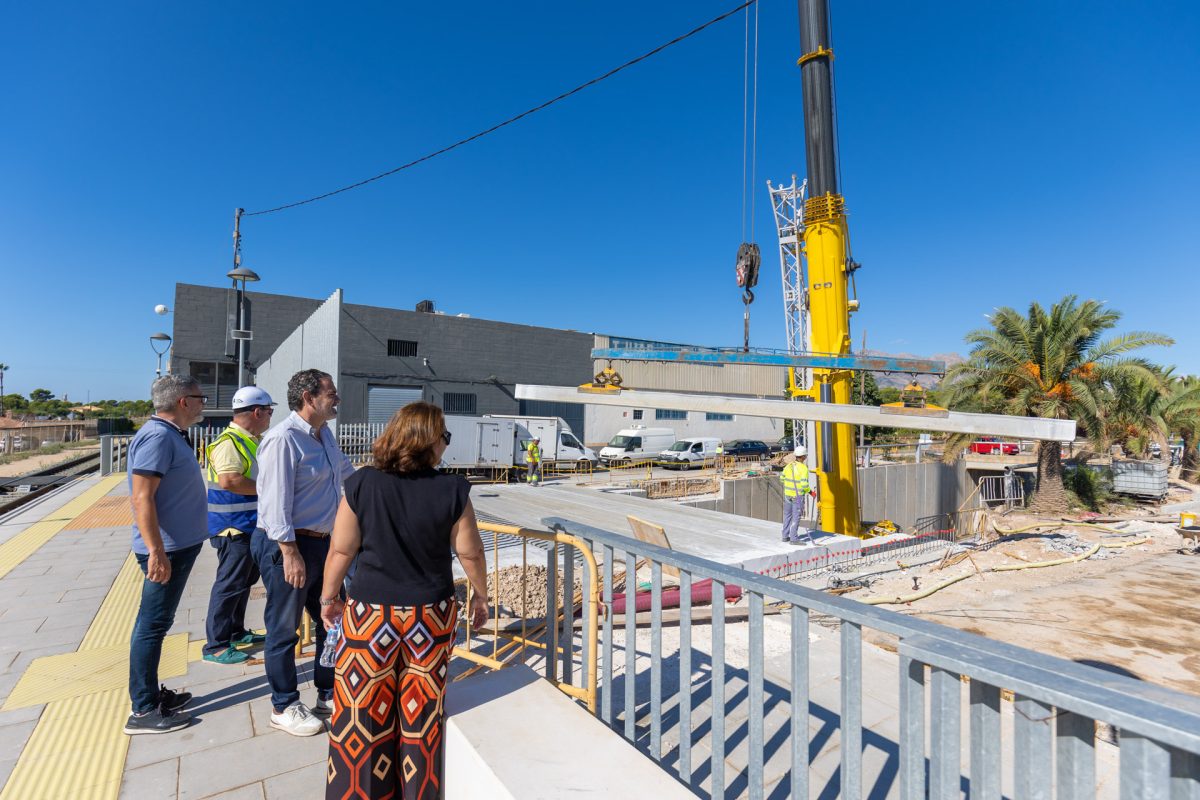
{"x":1133,"y":610}
{"x":23,"y":465}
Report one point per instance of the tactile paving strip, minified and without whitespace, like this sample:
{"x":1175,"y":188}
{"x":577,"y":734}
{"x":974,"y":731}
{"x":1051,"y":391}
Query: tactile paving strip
{"x":108,"y":512}
{"x":25,"y":543}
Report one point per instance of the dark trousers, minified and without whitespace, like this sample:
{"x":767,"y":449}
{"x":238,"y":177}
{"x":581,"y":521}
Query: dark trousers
{"x":285,"y":608}
{"x":236,"y":573}
{"x":156,"y":614}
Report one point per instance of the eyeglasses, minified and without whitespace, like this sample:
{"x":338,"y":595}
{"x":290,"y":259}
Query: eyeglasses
{"x":446,"y":437}
{"x":203,"y":398}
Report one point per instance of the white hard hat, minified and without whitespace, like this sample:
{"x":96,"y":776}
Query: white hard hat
{"x":800,"y":451}
{"x":250,"y":396}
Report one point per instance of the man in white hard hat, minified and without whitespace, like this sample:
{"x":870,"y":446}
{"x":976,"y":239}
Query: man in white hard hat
{"x":232,"y":473}
{"x":796,"y":491}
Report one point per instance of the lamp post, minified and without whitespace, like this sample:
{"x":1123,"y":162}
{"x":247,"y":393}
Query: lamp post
{"x":158,"y":340}
{"x":240,"y":276}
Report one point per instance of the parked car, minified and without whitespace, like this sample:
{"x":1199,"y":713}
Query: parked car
{"x":747,"y":448}
{"x":991,"y":446}
{"x":637,"y":442}
{"x":785,"y":445}
{"x":689,"y":452}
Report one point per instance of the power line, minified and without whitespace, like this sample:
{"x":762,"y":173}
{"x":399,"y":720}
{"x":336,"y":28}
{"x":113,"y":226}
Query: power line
{"x":510,"y":120}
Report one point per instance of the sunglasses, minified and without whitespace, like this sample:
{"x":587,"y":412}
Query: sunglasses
{"x":203,"y":398}
{"x":446,"y":437}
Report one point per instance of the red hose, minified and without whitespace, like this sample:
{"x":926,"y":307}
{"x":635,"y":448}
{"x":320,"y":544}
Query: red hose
{"x":701,"y":594}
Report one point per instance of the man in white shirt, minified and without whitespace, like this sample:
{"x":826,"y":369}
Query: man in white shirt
{"x":300,"y":474}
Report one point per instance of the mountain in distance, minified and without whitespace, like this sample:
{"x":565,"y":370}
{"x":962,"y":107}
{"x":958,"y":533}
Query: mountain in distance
{"x":899,"y":380}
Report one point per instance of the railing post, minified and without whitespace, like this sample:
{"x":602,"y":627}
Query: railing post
{"x":851,"y":711}
{"x":912,"y":729}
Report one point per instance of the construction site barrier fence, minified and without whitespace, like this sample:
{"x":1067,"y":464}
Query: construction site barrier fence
{"x":1050,"y":744}
{"x":554,"y":633}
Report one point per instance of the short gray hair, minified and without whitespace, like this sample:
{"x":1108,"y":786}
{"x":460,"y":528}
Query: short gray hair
{"x":166,"y":391}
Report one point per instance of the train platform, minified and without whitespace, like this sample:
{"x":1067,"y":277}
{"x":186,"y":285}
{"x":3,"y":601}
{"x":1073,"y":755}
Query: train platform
{"x":71,"y":592}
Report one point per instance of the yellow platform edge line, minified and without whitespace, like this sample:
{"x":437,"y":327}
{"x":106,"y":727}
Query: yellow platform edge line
{"x":81,"y":755}
{"x":27,"y":542}
{"x":78,"y":748}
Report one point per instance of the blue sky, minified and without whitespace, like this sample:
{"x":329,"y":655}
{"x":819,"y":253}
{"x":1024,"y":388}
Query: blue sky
{"x":992,"y":154}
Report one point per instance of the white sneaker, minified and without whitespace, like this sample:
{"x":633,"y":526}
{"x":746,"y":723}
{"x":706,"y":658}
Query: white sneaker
{"x":297,"y":720}
{"x":323,"y":707}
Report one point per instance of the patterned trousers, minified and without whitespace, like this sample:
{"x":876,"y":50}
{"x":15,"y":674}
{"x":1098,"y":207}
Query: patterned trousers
{"x":385,"y":736}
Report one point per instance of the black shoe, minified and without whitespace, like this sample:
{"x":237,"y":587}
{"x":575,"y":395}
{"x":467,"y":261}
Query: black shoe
{"x":172,"y":701}
{"x":157,"y":721}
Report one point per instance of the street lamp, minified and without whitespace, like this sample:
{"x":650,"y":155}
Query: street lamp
{"x":243,"y":275}
{"x":158,"y":340}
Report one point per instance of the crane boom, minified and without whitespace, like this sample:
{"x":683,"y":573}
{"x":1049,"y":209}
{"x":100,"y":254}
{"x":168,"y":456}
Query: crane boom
{"x":826,"y":245}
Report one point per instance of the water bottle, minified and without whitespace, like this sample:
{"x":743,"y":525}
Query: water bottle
{"x":333,"y":637}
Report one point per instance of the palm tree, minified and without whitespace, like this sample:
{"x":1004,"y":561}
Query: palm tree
{"x":1050,"y":364}
{"x":1181,"y":414}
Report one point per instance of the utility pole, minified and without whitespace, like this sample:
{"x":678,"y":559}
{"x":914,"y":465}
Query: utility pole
{"x":3,"y":369}
{"x":237,"y":262}
{"x":862,"y":392}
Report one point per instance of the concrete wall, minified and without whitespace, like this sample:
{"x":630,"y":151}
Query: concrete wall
{"x":314,"y":344}
{"x":911,"y":495}
{"x":201,"y":315}
{"x":454,"y":354}
{"x":604,"y":421}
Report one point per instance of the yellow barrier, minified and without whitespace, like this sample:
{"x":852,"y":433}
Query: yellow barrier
{"x":536,"y":636}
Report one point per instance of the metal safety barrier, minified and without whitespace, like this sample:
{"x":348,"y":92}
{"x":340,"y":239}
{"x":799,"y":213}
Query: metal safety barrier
{"x":554,"y":634}
{"x":1049,"y":747}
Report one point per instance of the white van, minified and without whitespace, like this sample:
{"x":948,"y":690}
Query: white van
{"x":638,"y":442}
{"x":689,"y":452}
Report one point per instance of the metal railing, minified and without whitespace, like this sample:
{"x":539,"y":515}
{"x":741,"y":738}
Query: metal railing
{"x":114,"y":453}
{"x":1007,"y":490}
{"x":1049,"y":746}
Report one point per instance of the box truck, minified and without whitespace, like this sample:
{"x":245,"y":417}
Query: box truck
{"x":496,"y":441}
{"x":556,"y":439}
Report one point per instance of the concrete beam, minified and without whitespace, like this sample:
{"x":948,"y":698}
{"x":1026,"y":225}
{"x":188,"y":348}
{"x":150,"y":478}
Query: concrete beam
{"x":1054,"y":430}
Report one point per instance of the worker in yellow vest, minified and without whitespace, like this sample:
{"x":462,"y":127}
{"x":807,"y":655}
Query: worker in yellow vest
{"x":533,"y":461}
{"x":796,"y":491}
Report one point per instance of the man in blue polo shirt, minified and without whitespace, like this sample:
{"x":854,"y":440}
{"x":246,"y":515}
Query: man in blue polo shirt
{"x":170,"y":513}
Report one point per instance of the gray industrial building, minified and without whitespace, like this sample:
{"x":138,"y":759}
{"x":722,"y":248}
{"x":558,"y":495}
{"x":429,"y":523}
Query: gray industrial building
{"x":383,"y":358}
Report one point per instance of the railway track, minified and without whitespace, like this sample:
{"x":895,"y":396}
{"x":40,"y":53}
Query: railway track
{"x":17,"y":491}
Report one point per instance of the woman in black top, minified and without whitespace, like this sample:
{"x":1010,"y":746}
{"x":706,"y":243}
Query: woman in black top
{"x":401,"y":518}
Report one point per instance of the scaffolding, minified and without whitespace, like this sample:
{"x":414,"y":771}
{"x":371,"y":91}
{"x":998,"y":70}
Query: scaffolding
{"x":788,"y":204}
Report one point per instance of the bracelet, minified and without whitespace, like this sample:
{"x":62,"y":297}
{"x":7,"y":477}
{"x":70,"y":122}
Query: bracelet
{"x":329,"y":602}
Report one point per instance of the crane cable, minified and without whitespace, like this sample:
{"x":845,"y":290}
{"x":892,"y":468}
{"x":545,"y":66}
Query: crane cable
{"x":749,"y":258}
{"x":518,"y":117}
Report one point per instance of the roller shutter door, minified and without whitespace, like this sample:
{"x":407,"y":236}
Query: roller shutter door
{"x":384,"y":401}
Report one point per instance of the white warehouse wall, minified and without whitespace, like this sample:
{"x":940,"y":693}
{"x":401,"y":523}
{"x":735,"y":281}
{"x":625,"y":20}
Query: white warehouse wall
{"x":602,"y":422}
{"x":312,"y":345}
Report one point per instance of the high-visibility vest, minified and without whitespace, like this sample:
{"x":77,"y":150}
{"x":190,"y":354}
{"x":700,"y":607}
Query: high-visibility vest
{"x":228,"y":509}
{"x":795,"y":480}
{"x":534,"y":452}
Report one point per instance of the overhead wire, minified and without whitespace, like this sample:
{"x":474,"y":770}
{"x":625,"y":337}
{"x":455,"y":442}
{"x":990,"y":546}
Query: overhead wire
{"x":510,"y":120}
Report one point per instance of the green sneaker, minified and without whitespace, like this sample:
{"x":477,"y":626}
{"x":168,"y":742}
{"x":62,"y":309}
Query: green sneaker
{"x":250,"y":637}
{"x":227,"y":656}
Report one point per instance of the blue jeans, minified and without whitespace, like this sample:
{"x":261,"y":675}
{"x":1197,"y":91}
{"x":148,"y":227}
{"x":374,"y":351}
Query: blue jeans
{"x":236,"y":573}
{"x":285,"y":608}
{"x":793,"y":512}
{"x":156,"y":614}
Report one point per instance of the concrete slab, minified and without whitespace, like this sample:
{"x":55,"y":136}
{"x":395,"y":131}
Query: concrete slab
{"x":493,"y":751}
{"x":749,"y":544}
